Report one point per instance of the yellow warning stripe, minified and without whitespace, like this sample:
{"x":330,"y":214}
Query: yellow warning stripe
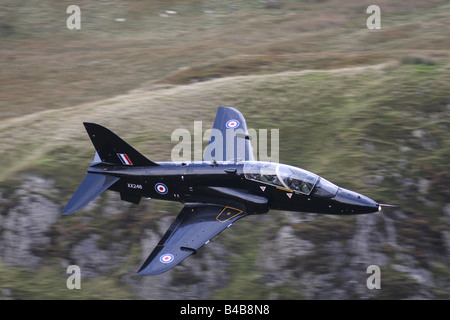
{"x":285,"y":189}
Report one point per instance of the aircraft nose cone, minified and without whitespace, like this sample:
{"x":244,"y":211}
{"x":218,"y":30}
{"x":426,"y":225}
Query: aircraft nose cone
{"x":354,"y":203}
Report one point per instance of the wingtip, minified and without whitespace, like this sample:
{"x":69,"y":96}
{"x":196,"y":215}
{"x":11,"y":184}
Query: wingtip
{"x":67,"y":210}
{"x":140,"y":273}
{"x":141,"y":269}
{"x":144,"y":272}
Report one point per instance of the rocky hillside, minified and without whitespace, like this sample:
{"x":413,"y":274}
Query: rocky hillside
{"x":282,"y":255}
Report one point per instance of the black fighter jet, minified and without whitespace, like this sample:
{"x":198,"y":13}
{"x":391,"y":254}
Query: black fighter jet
{"x":226,"y":186}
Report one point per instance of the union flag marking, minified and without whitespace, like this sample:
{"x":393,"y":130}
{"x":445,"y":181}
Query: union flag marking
{"x":125,"y":160}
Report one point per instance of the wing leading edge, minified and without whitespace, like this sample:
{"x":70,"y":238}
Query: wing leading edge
{"x":194,"y":226}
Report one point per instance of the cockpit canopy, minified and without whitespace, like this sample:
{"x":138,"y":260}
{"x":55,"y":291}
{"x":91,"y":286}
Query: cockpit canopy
{"x":281,"y":175}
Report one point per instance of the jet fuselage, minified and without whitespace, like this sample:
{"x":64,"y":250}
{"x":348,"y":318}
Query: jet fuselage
{"x":229,"y":184}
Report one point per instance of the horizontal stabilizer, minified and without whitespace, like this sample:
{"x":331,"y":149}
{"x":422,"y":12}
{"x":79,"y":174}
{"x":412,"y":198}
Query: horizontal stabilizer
{"x":112,"y":149}
{"x":92,"y":185}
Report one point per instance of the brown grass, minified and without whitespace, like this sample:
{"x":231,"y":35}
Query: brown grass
{"x":45,"y":66}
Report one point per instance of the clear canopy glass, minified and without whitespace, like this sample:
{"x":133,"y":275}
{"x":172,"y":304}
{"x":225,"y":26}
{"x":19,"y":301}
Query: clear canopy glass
{"x":281,"y":175}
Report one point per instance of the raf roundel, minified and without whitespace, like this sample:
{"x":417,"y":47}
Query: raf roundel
{"x":231,"y":124}
{"x":161,"y":188}
{"x":166,"y":258}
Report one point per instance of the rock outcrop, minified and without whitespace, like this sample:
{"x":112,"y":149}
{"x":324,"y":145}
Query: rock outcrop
{"x":308,"y":256}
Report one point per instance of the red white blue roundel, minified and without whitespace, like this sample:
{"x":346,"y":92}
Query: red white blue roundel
{"x":161,"y":188}
{"x":166,"y":258}
{"x":231,"y":124}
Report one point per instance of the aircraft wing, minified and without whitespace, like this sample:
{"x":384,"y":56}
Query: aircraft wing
{"x":194,"y":226}
{"x":229,"y":140}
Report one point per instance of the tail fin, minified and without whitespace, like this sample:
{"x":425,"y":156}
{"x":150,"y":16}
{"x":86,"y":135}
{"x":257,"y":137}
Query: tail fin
{"x":112,"y":149}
